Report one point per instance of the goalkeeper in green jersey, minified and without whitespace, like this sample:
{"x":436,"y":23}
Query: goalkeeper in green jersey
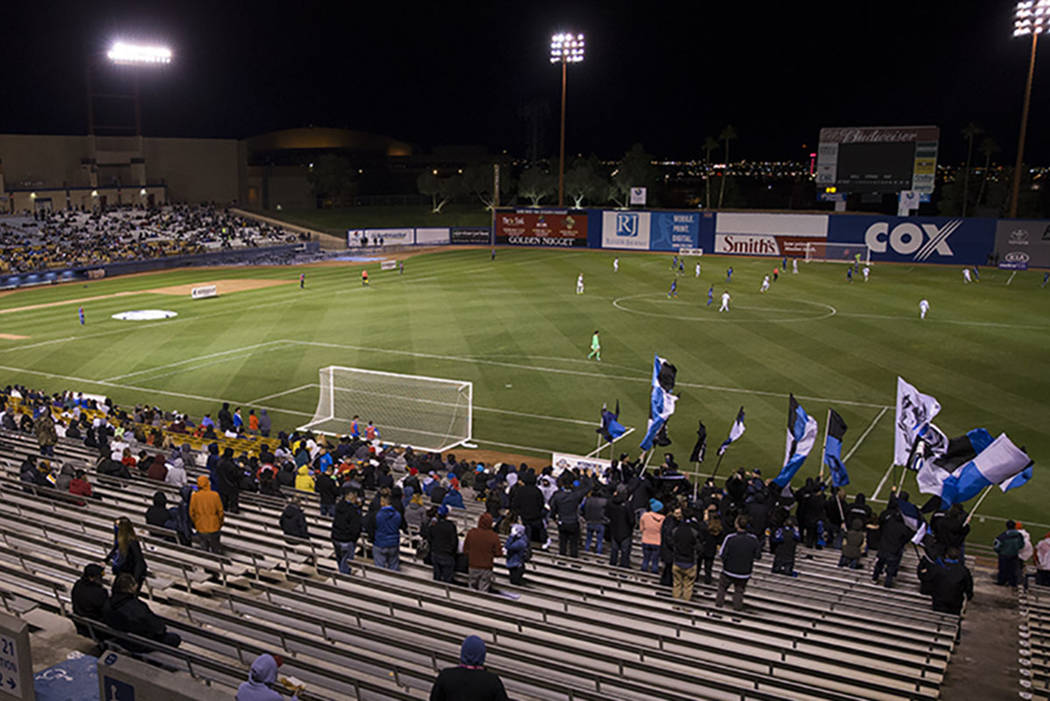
{"x":596,"y":348}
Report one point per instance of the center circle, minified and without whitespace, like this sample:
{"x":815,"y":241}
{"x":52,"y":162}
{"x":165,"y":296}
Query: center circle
{"x":823,"y":311}
{"x":145,"y":315}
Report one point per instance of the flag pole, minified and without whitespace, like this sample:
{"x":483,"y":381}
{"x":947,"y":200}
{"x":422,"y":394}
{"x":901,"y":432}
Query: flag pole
{"x":974,"y":510}
{"x":720,"y":456}
{"x":824,"y":450}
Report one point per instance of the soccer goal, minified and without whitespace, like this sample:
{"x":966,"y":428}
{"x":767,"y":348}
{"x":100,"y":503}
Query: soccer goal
{"x":838,"y":253}
{"x":427,"y":413}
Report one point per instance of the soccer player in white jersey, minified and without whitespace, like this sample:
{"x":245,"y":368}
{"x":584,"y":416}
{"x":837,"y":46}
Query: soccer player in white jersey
{"x":579,"y":284}
{"x":616,"y":265}
{"x":794,"y":266}
{"x":867,"y":271}
{"x":967,"y":279}
{"x":725,"y":302}
{"x":765,"y":284}
{"x":698,"y":270}
{"x":924,"y":307}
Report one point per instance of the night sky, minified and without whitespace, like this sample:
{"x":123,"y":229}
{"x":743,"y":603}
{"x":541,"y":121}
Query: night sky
{"x":663,"y":74}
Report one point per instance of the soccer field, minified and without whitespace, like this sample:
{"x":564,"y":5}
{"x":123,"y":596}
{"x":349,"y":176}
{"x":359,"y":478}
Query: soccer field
{"x":517,"y":330}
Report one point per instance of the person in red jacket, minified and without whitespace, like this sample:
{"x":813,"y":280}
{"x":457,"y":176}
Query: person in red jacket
{"x":80,"y":486}
{"x":482,"y":546}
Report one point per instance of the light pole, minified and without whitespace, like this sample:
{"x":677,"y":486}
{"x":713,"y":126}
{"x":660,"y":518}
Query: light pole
{"x":566,"y":48}
{"x":1032,"y":17}
{"x":124,"y":53}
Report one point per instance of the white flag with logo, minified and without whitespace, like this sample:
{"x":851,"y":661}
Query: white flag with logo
{"x":914,"y":411}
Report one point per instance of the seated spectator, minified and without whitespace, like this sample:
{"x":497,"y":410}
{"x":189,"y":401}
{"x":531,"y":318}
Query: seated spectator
{"x":125,"y":613}
{"x":470,"y":681}
{"x":65,"y":477}
{"x":453,"y":499}
{"x":80,"y":486}
{"x":160,"y":515}
{"x":293,"y":520}
{"x":304,"y":482}
{"x":89,"y":596}
{"x":126,"y":555}
{"x":261,"y":676}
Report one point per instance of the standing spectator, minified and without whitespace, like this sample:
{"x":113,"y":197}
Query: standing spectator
{"x":482,"y":546}
{"x":530,"y":504}
{"x":949,"y":581}
{"x":710,"y":539}
{"x":565,"y":505}
{"x":328,"y":491}
{"x":124,"y":612}
{"x":304,"y":482}
{"x":685,"y":546}
{"x":893,"y":536}
{"x":264,"y":423}
{"x":853,"y":545}
{"x":444,"y":546}
{"x":207,"y":514}
{"x":225,"y":419}
{"x":346,"y":529}
{"x":621,"y":528}
{"x":229,"y":485}
{"x":594,"y":517}
{"x":89,"y":596}
{"x":181,"y":514}
{"x":783,"y":542}
{"x":44,"y":428}
{"x":1008,"y":547}
{"x":517,"y":548}
{"x":470,"y":681}
{"x":253,"y":423}
{"x":738,"y":553}
{"x":667,"y":545}
{"x":386,"y":546}
{"x":293,"y":521}
{"x":650,"y":525}
{"x":126,"y":555}
{"x":1042,"y":561}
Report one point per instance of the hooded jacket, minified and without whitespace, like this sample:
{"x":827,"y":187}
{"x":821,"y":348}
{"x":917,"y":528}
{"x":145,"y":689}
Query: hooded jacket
{"x":482,"y":544}
{"x":206,"y":507}
{"x":565,"y":505}
{"x":293,"y":522}
{"x":303,"y":481}
{"x":176,"y":474}
{"x":262,"y":674}
{"x":469,"y":681}
{"x":387,"y":523}
{"x":620,"y":518}
{"x":517,"y":546}
{"x":346,"y":524}
{"x":159,"y":515}
{"x":65,"y":477}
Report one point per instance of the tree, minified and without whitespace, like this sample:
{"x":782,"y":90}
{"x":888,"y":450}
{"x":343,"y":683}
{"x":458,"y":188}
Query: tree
{"x":439,"y":190}
{"x":535,"y":183}
{"x":727,"y":135}
{"x":969,"y":132}
{"x":478,"y":181}
{"x":585,"y":182}
{"x":635,"y":169}
{"x":988,"y":148}
{"x":710,"y":144}
{"x":332,"y":177}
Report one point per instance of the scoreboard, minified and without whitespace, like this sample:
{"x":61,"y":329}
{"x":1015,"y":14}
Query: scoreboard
{"x":878,"y":159}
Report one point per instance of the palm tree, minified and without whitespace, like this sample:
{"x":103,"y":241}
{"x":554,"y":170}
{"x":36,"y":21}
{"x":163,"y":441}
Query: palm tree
{"x":727,"y":135}
{"x":988,"y":148}
{"x":969,"y":132}
{"x":710,"y":144}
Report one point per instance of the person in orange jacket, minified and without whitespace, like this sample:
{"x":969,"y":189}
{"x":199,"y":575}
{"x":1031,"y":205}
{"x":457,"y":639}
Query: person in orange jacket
{"x":207,"y":514}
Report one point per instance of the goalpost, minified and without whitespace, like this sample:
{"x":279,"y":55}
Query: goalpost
{"x":426,"y":413}
{"x":837,"y":253}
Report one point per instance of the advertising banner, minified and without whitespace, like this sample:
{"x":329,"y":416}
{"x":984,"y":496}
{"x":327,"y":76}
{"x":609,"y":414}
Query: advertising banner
{"x":917,"y":239}
{"x":356,"y":238}
{"x":670,"y":231}
{"x":760,"y":234}
{"x":765,"y":245}
{"x":565,"y":461}
{"x":541,"y":227}
{"x":626,"y":230}
{"x":472,"y":235}
{"x":432,"y":236}
{"x":1020,"y":243}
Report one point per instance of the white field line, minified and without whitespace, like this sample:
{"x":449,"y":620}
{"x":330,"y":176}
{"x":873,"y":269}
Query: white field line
{"x":1011,"y":278}
{"x":189,"y":361}
{"x":886,"y":476}
{"x":577,"y":373}
{"x":529,"y":448}
{"x":281,"y":394}
{"x":934,"y":320}
{"x":864,"y":435}
{"x":216,"y":361}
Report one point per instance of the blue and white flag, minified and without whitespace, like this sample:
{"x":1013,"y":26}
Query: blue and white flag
{"x":735,"y":431}
{"x":914,"y":411}
{"x":911,"y":515}
{"x":972,"y":463}
{"x":611,"y":428}
{"x":833,"y":450}
{"x":661,"y":401}
{"x":801,"y":435}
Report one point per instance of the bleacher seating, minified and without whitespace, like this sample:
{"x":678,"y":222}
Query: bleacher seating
{"x":578,"y":629}
{"x":1034,"y":641}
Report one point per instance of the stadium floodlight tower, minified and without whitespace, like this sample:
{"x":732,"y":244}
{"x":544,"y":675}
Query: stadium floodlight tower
{"x":1031,"y":18}
{"x":128,"y":54}
{"x":566,"y":48}
{"x":136,"y":57}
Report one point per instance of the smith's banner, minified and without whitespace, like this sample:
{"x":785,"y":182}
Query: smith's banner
{"x":531,"y":227}
{"x":757,"y":234}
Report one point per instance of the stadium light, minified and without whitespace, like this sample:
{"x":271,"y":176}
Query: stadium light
{"x":1031,"y":18}
{"x":127,"y":54}
{"x":566,"y":48}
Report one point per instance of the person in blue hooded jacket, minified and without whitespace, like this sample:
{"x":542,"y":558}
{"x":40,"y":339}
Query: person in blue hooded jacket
{"x":517,"y":549}
{"x":387,"y":540}
{"x":470,"y":681}
{"x":453,"y":499}
{"x":262,"y":674}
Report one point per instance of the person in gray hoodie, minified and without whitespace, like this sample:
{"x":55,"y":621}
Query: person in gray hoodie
{"x":261,"y":676}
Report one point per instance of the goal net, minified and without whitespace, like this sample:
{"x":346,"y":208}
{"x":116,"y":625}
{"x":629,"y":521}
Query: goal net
{"x":838,"y":253}
{"x":427,"y":413}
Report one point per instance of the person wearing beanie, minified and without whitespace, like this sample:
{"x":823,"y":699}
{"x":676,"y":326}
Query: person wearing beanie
{"x":565,"y":506}
{"x":482,"y":546}
{"x":649,"y":525}
{"x":1008,"y":546}
{"x":470,"y":681}
{"x":444,"y":546}
{"x":261,"y":676}
{"x":517,"y":549}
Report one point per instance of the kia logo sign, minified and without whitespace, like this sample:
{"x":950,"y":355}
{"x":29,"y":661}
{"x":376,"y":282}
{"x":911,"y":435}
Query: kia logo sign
{"x":1016,"y":257}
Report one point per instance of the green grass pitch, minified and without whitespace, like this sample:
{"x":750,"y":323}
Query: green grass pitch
{"x":518,"y":331}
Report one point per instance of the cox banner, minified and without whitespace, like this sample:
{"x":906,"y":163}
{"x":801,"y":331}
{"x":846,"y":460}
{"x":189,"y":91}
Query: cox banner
{"x":476,"y":235}
{"x":758,"y":234}
{"x":541,"y":227}
{"x":917,"y":239}
{"x":1021,"y":244}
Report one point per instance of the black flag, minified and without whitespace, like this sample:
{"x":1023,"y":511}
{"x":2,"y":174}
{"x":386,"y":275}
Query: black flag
{"x":661,"y":438}
{"x":701,"y":444}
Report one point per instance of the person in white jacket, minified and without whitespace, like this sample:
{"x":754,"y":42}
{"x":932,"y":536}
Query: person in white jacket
{"x":1042,"y":561}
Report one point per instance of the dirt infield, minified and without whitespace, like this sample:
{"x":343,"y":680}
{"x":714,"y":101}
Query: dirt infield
{"x":65,"y":302}
{"x":224,"y":286}
{"x":12,"y":337}
{"x":490,"y":457}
